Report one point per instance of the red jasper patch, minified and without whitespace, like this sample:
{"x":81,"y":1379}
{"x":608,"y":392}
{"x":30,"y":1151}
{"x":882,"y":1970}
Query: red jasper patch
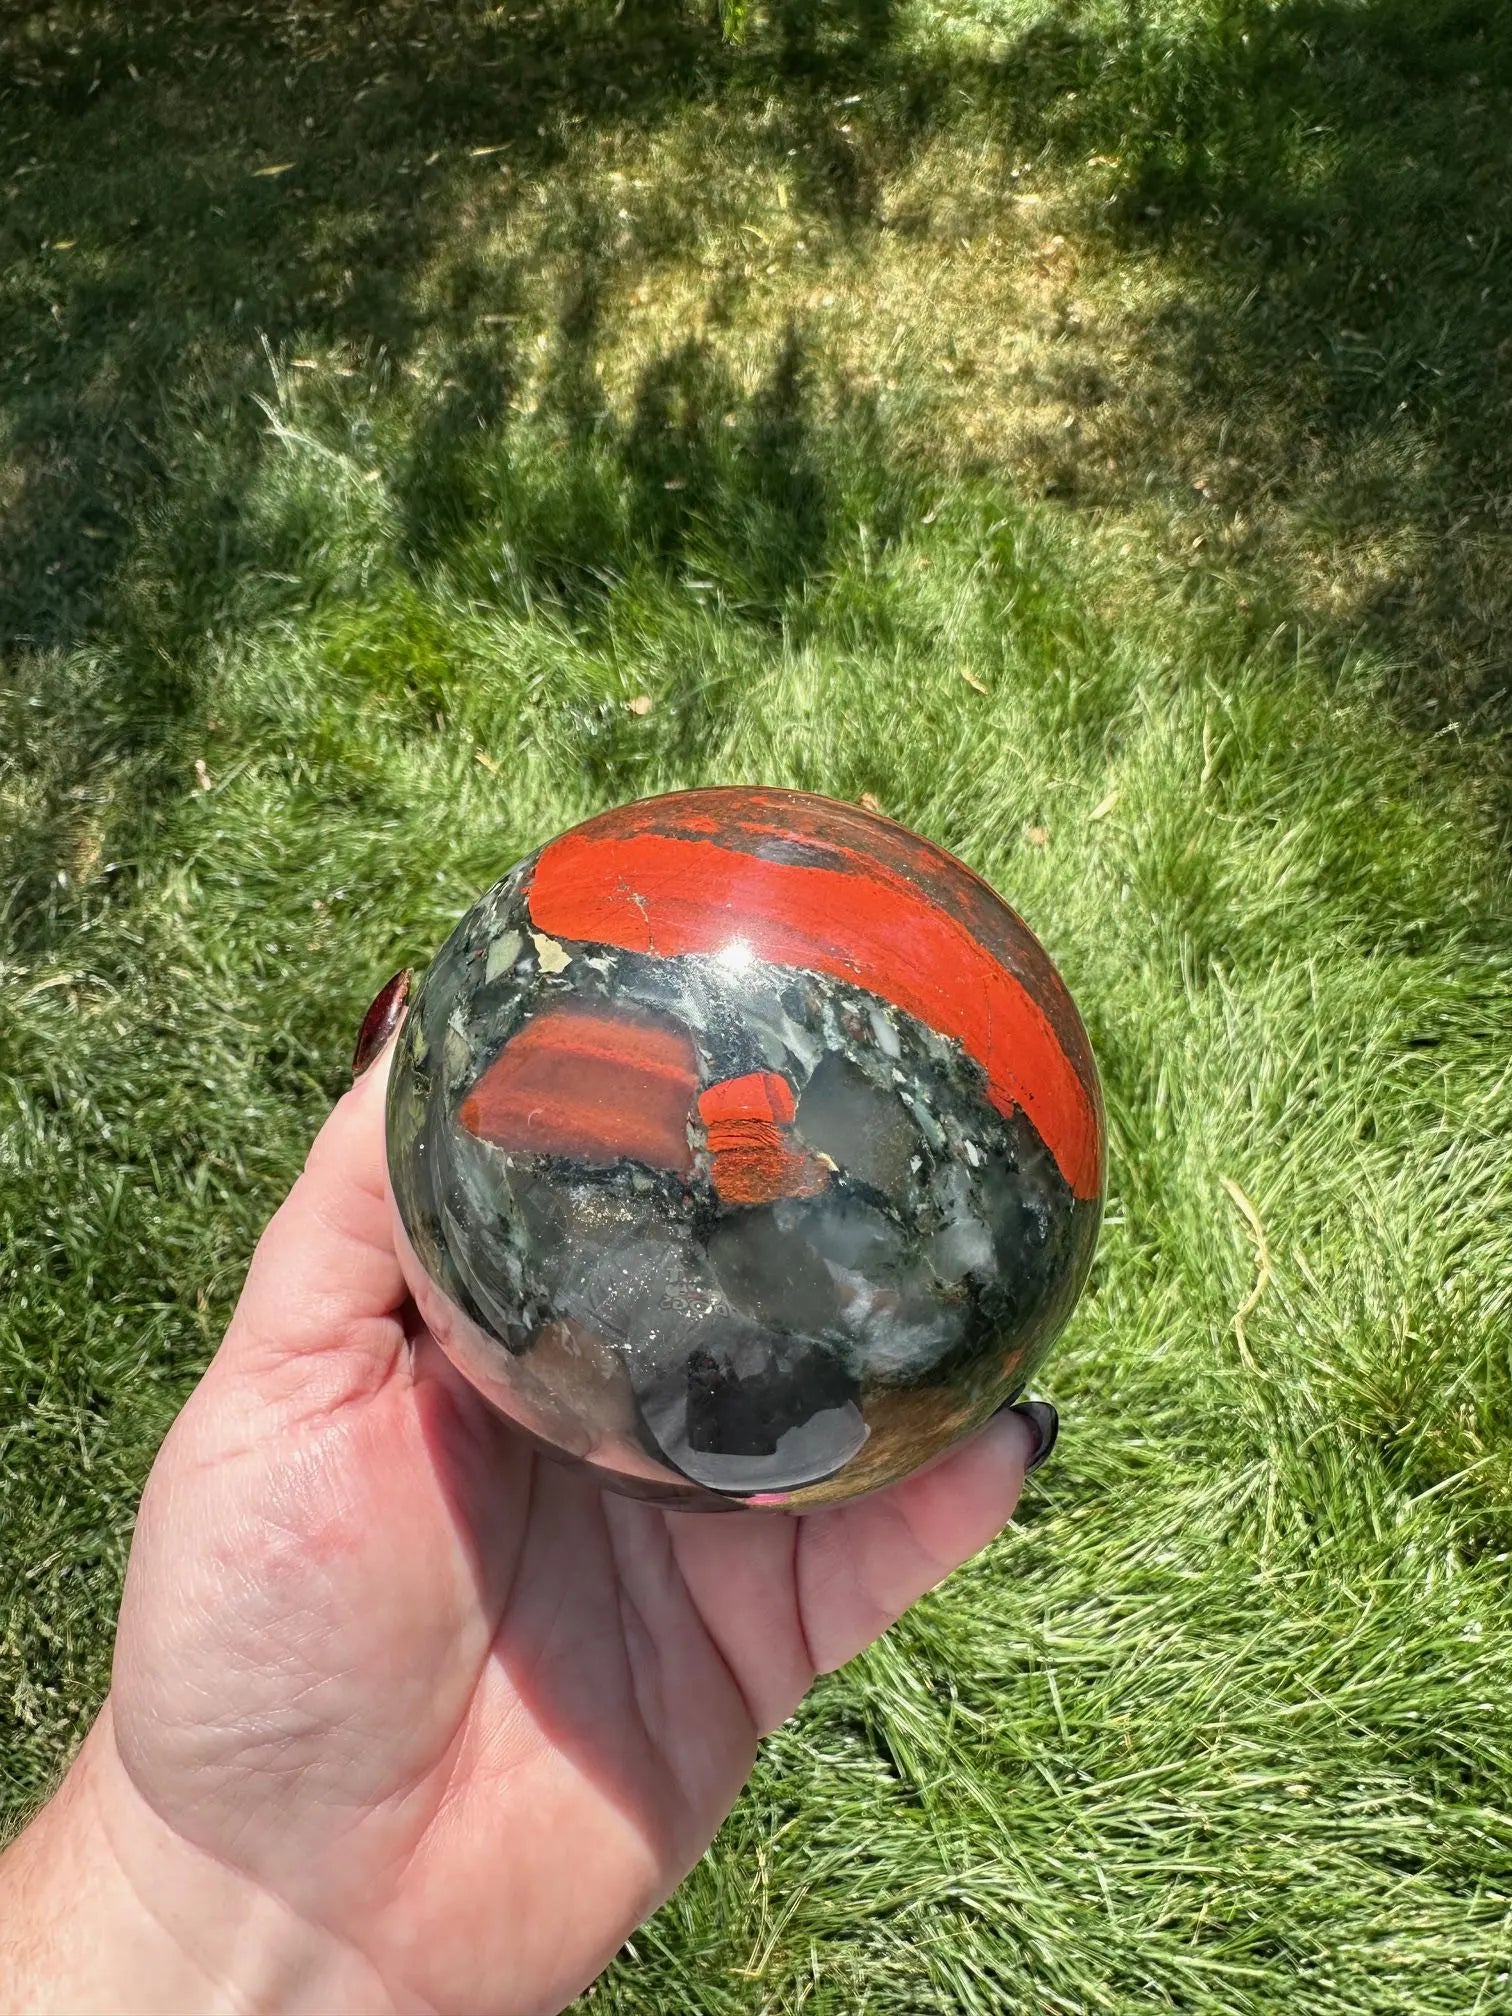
{"x":807,"y":883}
{"x":759,"y":1095}
{"x":600,"y":1084}
{"x":752,"y":1157}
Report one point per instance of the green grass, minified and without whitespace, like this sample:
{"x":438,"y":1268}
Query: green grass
{"x":1087,"y":430}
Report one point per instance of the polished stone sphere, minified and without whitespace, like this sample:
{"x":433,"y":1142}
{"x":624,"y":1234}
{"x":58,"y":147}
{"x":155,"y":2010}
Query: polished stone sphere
{"x":746,"y":1147}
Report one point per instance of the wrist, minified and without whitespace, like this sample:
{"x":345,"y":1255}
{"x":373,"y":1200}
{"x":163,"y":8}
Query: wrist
{"x":109,"y":1911}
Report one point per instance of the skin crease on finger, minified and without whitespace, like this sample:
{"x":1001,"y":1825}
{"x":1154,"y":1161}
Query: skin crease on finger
{"x":455,"y":1717}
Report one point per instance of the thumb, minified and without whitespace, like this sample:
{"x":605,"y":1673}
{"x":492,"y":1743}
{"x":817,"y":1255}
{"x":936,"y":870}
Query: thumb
{"x":325,"y":1282}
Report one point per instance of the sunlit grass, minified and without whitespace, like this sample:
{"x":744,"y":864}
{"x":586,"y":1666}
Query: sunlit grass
{"x":689,"y":437}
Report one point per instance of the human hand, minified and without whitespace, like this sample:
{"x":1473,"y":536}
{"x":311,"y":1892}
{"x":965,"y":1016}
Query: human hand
{"x":404,"y":1715}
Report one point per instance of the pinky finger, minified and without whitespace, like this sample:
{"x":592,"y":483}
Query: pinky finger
{"x":860,"y":1566}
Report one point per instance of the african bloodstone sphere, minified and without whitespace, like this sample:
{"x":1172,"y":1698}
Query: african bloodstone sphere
{"x":747,"y":1148}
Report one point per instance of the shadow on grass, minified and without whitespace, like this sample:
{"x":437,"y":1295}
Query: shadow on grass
{"x":1332,"y":182}
{"x":192,"y":193}
{"x":208,"y":183}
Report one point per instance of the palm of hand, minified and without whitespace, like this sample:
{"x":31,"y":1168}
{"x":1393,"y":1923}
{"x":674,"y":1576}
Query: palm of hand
{"x":465,"y":1713}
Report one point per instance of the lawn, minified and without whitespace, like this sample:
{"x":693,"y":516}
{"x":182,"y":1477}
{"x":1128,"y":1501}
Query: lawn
{"x":1084,"y":429}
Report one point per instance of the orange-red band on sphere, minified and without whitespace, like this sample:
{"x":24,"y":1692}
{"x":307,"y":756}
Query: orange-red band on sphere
{"x":893,"y":915}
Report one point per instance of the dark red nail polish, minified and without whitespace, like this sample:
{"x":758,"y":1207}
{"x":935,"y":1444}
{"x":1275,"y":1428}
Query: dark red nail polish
{"x":382,"y":1019}
{"x":1044,"y":1425}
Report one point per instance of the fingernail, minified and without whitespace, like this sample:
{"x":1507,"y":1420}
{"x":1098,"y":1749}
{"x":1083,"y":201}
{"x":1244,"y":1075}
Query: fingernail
{"x":1044,"y":1425}
{"x":381,"y":1020}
